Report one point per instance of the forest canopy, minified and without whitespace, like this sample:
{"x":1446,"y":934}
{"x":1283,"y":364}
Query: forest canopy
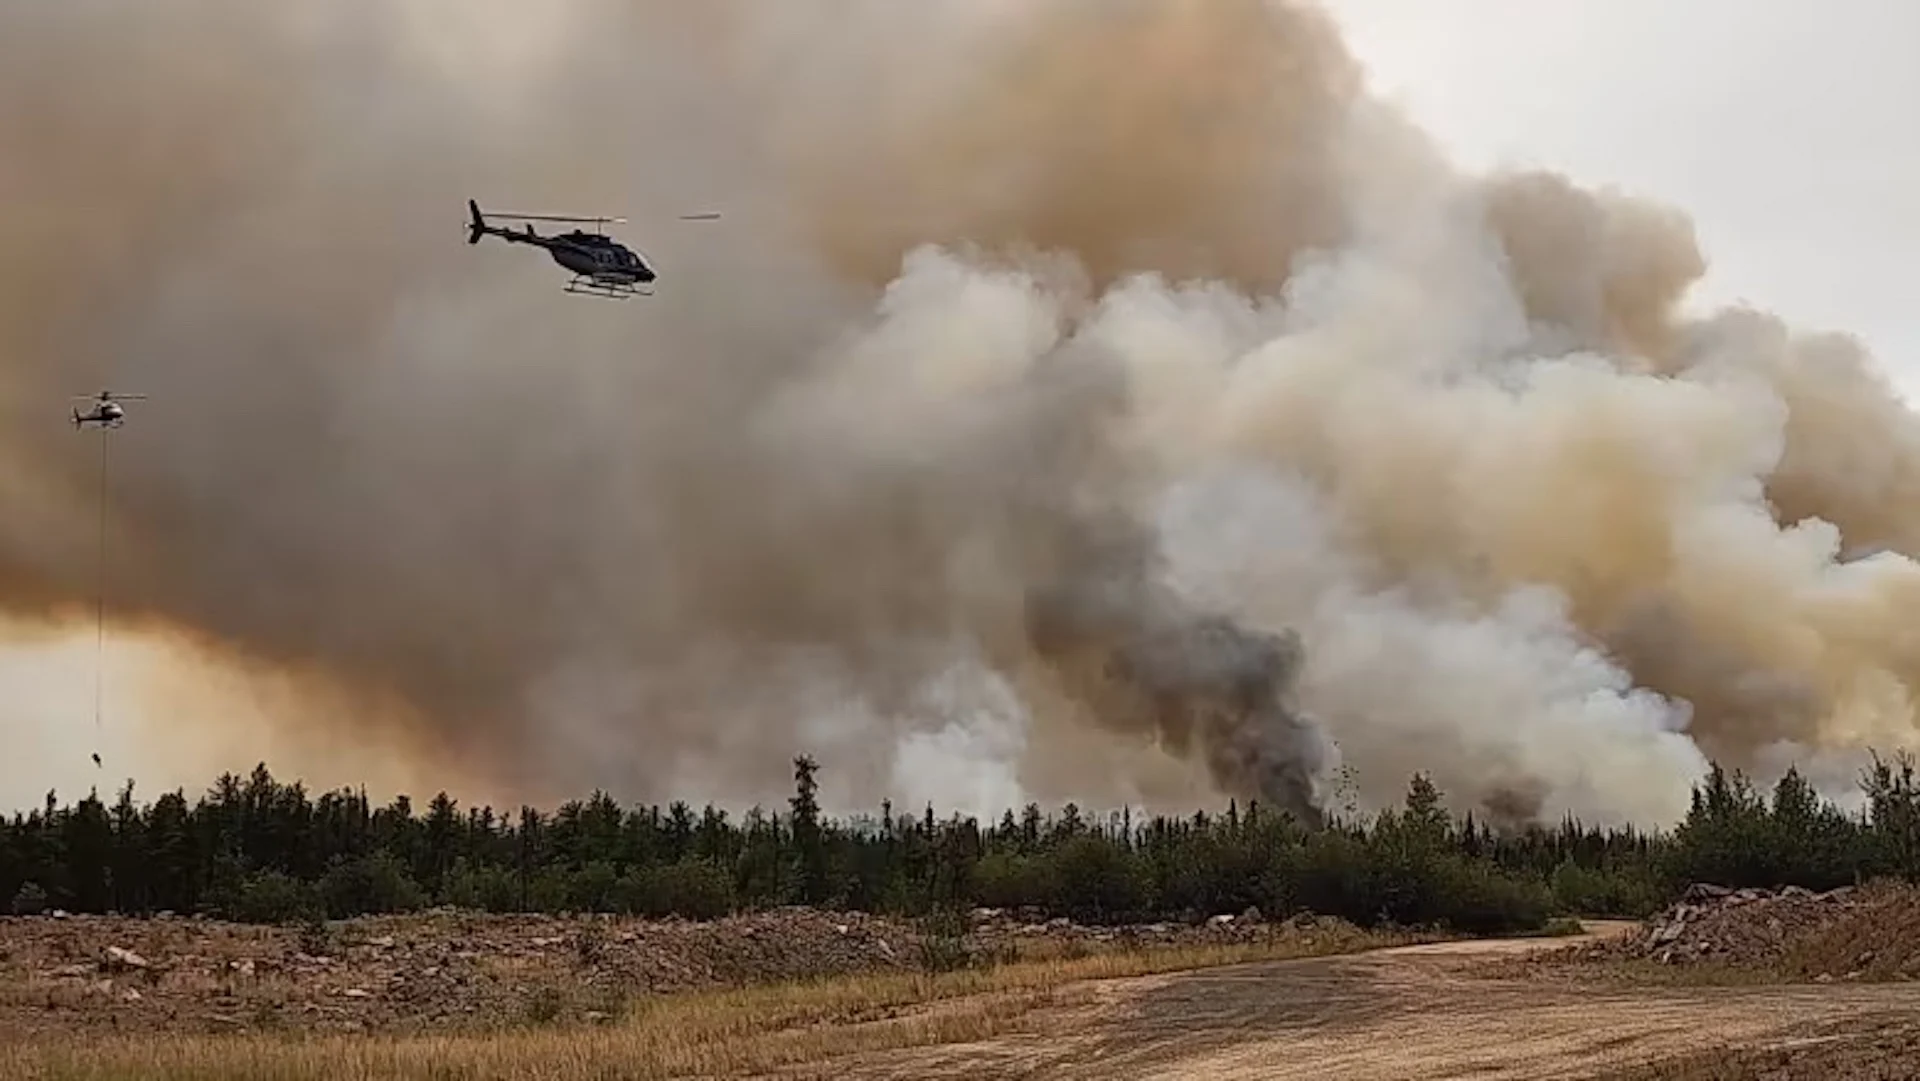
{"x":259,"y":849}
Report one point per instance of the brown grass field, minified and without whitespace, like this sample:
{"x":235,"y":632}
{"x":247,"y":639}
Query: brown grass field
{"x":1330,"y":1003}
{"x":734,"y":1032}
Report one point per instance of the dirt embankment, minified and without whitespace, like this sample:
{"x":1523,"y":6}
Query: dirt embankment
{"x":408,"y":973}
{"x":450,"y":970}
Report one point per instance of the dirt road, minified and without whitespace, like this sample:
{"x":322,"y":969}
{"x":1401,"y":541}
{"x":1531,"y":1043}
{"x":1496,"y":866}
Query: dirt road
{"x":1419,"y":1012}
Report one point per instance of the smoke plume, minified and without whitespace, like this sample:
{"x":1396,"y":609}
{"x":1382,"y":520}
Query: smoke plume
{"x":1080,"y":399}
{"x":1138,"y":659}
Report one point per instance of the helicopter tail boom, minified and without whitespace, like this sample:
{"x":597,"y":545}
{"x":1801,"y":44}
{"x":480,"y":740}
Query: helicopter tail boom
{"x":478,"y":226}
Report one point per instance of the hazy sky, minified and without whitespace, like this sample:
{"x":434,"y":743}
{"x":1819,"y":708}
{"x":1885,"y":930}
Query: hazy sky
{"x":1783,"y":128}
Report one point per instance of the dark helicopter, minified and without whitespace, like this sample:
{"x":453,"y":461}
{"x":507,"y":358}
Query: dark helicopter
{"x":107,"y":412}
{"x":601,"y":266}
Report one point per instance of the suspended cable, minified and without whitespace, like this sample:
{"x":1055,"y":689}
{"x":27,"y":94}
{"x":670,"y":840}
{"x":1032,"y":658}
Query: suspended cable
{"x":100,"y":602}
{"x":108,"y":414}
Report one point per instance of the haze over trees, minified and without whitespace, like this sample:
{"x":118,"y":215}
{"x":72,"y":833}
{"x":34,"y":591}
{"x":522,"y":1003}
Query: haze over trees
{"x":258,"y":849}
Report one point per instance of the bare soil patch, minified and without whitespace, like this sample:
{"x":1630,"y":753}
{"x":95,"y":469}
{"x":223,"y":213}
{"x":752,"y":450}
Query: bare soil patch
{"x":1433,"y":1012}
{"x":1885,"y":1047}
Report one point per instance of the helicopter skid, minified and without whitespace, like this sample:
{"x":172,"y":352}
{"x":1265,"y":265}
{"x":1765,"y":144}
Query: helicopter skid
{"x":589,"y":287}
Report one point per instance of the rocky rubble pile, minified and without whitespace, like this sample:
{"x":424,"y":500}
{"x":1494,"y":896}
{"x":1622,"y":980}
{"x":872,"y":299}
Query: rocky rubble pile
{"x":997,"y":930}
{"x":1852,"y":933}
{"x":1737,"y":926}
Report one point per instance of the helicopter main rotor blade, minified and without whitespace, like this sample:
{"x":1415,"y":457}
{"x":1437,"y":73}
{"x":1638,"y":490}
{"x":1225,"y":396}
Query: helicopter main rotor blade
{"x":710,"y":215}
{"x":555,"y":217}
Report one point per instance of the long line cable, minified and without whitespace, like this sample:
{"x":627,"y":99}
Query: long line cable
{"x":100,"y":601}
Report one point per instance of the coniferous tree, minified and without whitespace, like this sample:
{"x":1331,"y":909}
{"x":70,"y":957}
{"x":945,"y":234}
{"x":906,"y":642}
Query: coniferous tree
{"x":810,"y":852}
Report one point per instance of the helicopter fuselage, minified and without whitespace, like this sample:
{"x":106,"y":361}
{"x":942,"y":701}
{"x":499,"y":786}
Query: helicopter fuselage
{"x":599,"y":257}
{"x":107,"y":416}
{"x":590,"y":255}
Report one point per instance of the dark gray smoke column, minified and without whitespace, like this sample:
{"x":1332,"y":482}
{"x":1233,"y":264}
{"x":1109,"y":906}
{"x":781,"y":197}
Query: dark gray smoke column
{"x":1144,"y":660}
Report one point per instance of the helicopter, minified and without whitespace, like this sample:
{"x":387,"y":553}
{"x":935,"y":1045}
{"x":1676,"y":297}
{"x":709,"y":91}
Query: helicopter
{"x":107,"y":413}
{"x":601,"y":266}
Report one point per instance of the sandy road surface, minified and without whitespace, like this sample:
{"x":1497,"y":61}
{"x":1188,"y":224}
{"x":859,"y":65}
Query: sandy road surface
{"x":1415,"y":1013}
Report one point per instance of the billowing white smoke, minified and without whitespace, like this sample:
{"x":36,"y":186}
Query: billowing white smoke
{"x":1500,"y":695}
{"x":1507,"y":703}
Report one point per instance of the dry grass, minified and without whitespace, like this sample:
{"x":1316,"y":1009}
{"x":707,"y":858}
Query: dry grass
{"x":707,"y":1033}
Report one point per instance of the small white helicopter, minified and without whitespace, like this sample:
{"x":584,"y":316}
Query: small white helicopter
{"x":107,"y":411}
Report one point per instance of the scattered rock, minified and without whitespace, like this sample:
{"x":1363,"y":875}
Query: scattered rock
{"x":1701,"y":892}
{"x":119,"y":959}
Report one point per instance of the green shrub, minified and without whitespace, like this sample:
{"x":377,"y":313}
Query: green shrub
{"x":374,"y":884}
{"x":696,"y":889}
{"x":273,"y":897}
{"x":29,"y":900}
{"x":943,"y":941}
{"x":1478,"y":898}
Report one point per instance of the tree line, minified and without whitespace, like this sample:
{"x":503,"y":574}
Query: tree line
{"x":261,"y":850}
